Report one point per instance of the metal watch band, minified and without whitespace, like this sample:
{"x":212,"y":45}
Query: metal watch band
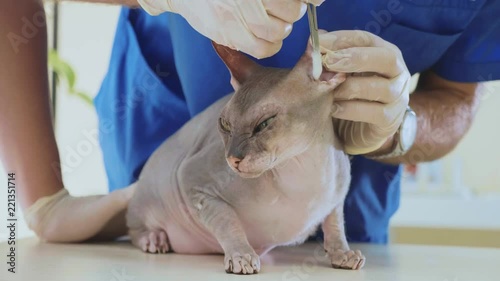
{"x":395,"y":151}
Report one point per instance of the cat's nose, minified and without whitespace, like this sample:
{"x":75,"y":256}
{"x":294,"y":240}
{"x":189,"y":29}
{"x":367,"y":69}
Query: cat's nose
{"x":234,"y":161}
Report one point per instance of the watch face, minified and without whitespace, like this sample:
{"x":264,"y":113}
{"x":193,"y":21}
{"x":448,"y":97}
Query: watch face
{"x":408,"y":130}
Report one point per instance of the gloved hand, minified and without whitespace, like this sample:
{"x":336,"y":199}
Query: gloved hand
{"x":64,"y":218}
{"x":371,"y":103}
{"x":255,"y":27}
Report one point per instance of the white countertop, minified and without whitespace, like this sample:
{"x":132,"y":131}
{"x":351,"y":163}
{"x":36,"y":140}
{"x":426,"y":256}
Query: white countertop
{"x":122,"y":262}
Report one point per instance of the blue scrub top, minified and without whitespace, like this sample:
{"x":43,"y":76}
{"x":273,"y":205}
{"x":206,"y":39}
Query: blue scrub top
{"x":162,"y":73}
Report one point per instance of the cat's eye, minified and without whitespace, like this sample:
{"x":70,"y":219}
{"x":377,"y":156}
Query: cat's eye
{"x":224,"y":125}
{"x":263,"y":124}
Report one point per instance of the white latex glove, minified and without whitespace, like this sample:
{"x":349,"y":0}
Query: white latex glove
{"x":373,"y":99}
{"x":255,"y":27}
{"x":64,"y":218}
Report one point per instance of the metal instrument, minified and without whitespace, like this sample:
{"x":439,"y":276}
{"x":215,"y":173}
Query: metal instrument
{"x":313,"y":26}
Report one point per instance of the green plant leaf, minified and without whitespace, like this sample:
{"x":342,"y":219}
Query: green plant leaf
{"x":86,"y":98}
{"x":64,"y":71}
{"x":62,"y":68}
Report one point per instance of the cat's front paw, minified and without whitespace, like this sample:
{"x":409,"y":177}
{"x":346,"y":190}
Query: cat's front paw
{"x":347,"y":259}
{"x":242,"y":262}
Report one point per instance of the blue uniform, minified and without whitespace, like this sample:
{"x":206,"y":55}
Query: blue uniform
{"x":162,"y":73}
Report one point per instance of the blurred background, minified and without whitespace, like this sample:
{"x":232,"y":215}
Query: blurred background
{"x":453,"y":201}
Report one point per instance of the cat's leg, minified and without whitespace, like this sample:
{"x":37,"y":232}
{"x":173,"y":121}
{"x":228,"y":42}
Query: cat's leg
{"x":150,"y":241}
{"x":145,"y":238}
{"x":336,"y":243}
{"x":223,"y":222}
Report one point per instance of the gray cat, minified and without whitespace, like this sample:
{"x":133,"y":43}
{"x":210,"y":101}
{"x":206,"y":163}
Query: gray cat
{"x":259,"y":168}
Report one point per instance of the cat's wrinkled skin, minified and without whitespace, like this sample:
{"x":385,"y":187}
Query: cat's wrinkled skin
{"x":266,"y":184}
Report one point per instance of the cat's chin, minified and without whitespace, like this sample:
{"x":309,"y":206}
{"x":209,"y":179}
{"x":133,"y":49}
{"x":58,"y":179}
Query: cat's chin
{"x":250,"y":175}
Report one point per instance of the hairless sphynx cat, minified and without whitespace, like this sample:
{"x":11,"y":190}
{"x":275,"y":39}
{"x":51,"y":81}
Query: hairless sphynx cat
{"x":259,"y":168}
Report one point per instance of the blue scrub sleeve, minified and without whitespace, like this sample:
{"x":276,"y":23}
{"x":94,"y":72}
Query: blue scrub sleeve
{"x":475,"y":56}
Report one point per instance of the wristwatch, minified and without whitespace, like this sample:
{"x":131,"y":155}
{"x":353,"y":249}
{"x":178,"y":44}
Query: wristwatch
{"x":404,"y":136}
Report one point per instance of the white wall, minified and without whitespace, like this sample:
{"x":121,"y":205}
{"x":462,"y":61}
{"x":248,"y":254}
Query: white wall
{"x":480,"y":149}
{"x":86,"y":36}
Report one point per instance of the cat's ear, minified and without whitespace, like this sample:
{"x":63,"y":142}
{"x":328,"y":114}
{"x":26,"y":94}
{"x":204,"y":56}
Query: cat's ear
{"x":305,"y":67}
{"x":240,"y":66}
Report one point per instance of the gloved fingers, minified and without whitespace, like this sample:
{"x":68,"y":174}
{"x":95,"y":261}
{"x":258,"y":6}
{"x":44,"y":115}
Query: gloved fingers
{"x":274,"y":31}
{"x":359,"y":138}
{"x":237,"y":36}
{"x":364,"y":59}
{"x":369,"y":88}
{"x":384,"y":116}
{"x":260,"y":48}
{"x":287,"y":10}
{"x":400,"y":88}
{"x":253,"y":14}
{"x":155,"y":8}
{"x":315,"y":2}
{"x":343,"y":39}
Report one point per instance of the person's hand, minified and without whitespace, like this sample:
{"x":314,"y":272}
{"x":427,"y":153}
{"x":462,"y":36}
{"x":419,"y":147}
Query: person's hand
{"x":255,"y":27}
{"x":371,"y":103}
{"x":64,"y":218}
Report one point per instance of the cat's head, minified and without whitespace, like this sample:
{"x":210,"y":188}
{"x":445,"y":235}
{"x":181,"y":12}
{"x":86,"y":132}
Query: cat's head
{"x":275,"y":114}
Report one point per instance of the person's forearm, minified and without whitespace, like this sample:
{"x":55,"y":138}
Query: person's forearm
{"x":64,"y":218}
{"x":27,"y":142}
{"x":444,"y":117}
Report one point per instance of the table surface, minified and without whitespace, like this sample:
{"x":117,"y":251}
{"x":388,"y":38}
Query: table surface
{"x":120,"y":261}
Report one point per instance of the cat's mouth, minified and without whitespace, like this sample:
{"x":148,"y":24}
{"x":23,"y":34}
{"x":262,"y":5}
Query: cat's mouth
{"x":248,"y":174}
{"x":252,"y":166}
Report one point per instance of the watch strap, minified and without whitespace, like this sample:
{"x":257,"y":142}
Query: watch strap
{"x":395,"y":151}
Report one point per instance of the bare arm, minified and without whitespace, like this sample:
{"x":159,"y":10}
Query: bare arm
{"x":27,"y":143}
{"x":445,"y":111}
